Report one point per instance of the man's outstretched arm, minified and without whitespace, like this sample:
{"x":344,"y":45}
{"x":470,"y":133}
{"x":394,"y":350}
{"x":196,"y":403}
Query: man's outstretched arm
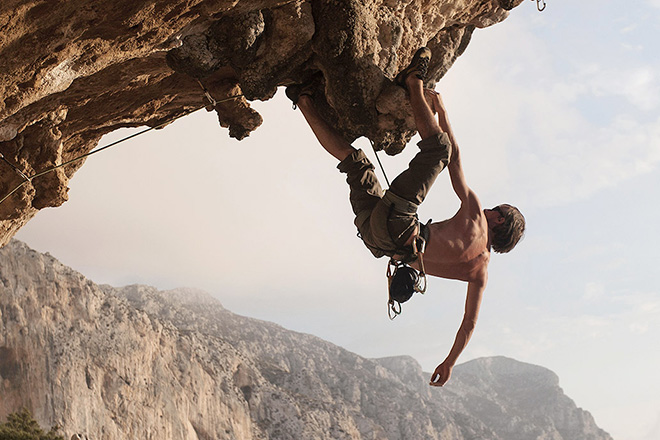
{"x":472,"y":304}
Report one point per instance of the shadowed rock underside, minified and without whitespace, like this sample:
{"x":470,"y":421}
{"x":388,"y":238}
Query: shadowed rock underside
{"x":73,"y":71}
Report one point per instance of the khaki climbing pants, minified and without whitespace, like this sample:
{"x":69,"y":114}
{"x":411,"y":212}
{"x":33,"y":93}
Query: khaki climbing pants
{"x":386,"y":220}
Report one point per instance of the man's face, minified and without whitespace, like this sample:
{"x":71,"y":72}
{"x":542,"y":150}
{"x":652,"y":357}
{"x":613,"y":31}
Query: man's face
{"x":495,"y":216}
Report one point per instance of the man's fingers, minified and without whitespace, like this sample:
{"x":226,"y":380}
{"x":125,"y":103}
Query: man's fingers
{"x":436,"y":380}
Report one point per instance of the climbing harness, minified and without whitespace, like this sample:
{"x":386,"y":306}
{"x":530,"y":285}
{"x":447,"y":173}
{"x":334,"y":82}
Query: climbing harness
{"x":209,"y":106}
{"x":403,"y":280}
{"x":540,"y":5}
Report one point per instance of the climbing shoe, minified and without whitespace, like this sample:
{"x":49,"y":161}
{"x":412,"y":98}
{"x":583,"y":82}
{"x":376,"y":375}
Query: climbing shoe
{"x":295,"y":91}
{"x":418,"y":67}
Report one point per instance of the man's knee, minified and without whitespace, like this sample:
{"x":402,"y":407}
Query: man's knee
{"x":355,"y":162}
{"x":439,"y":145}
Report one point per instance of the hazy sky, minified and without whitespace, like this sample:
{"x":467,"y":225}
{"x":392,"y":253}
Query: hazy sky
{"x":555,"y":112}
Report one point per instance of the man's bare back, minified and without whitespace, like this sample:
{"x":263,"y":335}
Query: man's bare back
{"x":458,"y":248}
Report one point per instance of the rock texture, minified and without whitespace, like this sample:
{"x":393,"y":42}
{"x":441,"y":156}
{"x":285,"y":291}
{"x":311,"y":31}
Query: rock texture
{"x":137,"y":363}
{"x":74,"y":70}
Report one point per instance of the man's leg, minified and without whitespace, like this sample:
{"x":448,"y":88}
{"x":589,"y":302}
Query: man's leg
{"x":365,"y":190}
{"x":426,"y":123}
{"x":333,"y":142}
{"x":414,"y":183}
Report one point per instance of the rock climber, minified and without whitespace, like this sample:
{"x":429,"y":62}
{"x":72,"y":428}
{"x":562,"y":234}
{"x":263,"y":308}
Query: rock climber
{"x":458,"y":248}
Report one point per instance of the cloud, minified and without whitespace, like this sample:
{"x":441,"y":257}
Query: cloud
{"x":654,"y":431}
{"x":593,"y":291}
{"x":641,"y":311}
{"x":600,"y":316}
{"x":567,"y":130}
{"x":653,"y":3}
{"x":641,"y":87}
{"x":638,"y":85}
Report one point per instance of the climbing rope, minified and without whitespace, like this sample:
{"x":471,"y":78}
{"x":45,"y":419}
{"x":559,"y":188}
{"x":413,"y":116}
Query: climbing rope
{"x":26,"y":179}
{"x":373,"y":147}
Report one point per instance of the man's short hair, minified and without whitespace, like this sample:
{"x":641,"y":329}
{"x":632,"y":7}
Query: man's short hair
{"x":508,"y":234}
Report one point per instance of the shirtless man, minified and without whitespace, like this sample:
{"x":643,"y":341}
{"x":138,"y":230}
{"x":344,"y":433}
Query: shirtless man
{"x":457,"y":248}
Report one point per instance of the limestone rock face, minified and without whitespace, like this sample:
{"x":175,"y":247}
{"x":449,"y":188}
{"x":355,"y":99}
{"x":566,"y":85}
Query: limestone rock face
{"x":74,"y":70}
{"x":136,"y":363}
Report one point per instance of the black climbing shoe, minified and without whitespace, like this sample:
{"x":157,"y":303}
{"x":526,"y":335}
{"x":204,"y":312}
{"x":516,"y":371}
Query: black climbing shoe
{"x":295,"y":91}
{"x":418,"y":67}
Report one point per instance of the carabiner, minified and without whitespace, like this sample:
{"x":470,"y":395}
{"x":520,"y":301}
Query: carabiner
{"x":392,"y":310}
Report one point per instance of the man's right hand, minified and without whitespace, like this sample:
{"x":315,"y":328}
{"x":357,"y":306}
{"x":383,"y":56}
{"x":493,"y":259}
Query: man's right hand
{"x":435,"y":101}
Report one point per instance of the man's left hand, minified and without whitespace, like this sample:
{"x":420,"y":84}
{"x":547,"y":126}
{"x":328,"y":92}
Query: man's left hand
{"x":441,"y":374}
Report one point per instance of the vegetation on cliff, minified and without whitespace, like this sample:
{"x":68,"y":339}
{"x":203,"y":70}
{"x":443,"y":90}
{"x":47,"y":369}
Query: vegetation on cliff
{"x":22,"y":426}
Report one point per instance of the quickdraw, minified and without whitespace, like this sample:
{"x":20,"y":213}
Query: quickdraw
{"x":15,"y":168}
{"x":212,"y":102}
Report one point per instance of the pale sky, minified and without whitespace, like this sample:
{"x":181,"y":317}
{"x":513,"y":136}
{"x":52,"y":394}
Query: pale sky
{"x":555,"y":112}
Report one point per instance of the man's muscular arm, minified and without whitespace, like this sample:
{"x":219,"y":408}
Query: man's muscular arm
{"x":435,"y":101}
{"x":455,"y":169}
{"x":472,"y":304}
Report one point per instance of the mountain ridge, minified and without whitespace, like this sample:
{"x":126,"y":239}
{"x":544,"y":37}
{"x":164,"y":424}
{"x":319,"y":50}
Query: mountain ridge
{"x":136,"y":362}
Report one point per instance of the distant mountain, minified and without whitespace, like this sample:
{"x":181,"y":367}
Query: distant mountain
{"x":138,"y":363}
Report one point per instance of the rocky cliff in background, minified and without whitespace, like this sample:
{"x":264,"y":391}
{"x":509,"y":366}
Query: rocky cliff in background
{"x":137,"y":363}
{"x":72,"y":71}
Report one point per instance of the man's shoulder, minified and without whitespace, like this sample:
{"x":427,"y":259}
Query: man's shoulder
{"x":479,"y":275}
{"x":471,"y":206}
